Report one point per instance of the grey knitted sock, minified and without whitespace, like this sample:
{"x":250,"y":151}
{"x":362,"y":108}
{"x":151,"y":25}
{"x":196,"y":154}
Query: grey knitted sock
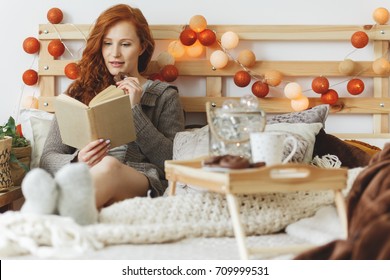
{"x":76,"y":193}
{"x":40,"y":192}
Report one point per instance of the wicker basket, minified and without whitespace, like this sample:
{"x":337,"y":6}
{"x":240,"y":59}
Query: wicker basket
{"x":5,"y":171}
{"x":21,"y":166}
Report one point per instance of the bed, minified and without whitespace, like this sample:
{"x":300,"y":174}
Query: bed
{"x":187,"y":233}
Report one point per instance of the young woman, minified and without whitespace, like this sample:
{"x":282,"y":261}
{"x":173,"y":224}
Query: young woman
{"x":121,"y":42}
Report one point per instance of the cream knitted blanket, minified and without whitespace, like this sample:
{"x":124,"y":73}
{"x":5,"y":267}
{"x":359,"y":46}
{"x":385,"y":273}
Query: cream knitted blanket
{"x":147,"y":220}
{"x":157,"y":220}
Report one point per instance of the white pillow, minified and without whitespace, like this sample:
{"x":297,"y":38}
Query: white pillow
{"x":307,"y":130}
{"x":35,"y":127}
{"x":191,"y":144}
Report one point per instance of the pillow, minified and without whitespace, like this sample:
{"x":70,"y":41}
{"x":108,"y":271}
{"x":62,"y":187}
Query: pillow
{"x":317,"y":114}
{"x":349,"y":155}
{"x":369,"y":149}
{"x":191,"y":144}
{"x":35,"y":127}
{"x":306,"y":130}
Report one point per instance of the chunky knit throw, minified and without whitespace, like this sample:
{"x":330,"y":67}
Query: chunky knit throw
{"x":156,"y":220}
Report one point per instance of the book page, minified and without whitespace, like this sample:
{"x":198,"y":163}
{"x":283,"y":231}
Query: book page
{"x":114,"y":120}
{"x":106,"y":94}
{"x":64,"y":98}
{"x":74,"y":123}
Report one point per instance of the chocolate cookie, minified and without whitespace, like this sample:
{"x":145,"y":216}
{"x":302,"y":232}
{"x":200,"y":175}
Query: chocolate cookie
{"x":234,"y":162}
{"x":212,"y":161}
{"x":120,"y":76}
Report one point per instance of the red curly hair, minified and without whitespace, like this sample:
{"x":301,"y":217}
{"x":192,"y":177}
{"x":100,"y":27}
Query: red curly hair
{"x":94,"y":75}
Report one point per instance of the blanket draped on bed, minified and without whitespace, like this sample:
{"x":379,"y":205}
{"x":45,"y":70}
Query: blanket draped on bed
{"x":155,"y":220}
{"x":368,"y":206}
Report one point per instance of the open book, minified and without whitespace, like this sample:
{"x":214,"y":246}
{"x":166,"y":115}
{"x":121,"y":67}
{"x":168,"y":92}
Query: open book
{"x":108,"y":116}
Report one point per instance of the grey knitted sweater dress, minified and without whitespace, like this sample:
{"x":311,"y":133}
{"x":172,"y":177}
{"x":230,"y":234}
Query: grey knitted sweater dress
{"x":157,"y":119}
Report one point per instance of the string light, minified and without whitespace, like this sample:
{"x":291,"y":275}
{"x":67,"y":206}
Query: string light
{"x":260,"y":88}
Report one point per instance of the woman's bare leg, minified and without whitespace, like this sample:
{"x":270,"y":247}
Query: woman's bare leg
{"x":115,"y":181}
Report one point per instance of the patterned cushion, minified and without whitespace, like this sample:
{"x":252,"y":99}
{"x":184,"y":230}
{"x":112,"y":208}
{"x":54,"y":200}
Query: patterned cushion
{"x":191,"y":144}
{"x":317,"y":114}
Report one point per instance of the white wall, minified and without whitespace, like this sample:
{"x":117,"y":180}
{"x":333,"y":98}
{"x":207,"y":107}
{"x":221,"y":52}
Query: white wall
{"x":18,"y":23}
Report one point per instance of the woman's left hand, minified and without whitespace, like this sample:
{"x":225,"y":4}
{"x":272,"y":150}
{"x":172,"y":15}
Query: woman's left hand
{"x":132,"y":87}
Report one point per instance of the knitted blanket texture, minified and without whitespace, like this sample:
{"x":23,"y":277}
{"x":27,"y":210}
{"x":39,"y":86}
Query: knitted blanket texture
{"x":155,"y":220}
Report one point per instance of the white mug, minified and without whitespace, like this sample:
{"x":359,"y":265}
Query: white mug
{"x":269,"y":147}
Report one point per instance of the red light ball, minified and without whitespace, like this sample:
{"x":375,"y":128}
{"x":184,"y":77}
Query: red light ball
{"x":320,"y":85}
{"x":355,"y":86}
{"x":188,"y":37}
{"x":359,"y":39}
{"x":31,"y":45}
{"x":330,"y":97}
{"x":55,"y":15}
{"x":242,"y":78}
{"x":72,"y":71}
{"x":56,"y":48}
{"x":207,"y":37}
{"x":169,"y":73}
{"x":30,"y":77}
{"x":260,"y":89}
{"x":156,"y":76}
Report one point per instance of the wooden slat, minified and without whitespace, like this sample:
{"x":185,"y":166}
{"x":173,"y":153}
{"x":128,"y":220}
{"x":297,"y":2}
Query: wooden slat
{"x":282,"y":105}
{"x":213,"y":86}
{"x":245,"y":32}
{"x":46,"y":103}
{"x":203,"y":68}
{"x":381,"y":89}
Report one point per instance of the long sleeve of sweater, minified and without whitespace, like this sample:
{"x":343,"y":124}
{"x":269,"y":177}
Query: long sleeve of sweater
{"x":156,"y":139}
{"x":56,"y":154}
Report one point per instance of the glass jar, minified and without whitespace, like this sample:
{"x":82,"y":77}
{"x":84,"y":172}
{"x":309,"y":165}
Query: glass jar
{"x":230,"y":128}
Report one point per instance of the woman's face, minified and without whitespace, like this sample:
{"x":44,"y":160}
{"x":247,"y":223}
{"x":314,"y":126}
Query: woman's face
{"x":121,"y":49}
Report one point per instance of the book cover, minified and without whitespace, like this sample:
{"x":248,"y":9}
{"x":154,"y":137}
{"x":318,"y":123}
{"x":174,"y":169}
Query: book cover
{"x":108,"y":116}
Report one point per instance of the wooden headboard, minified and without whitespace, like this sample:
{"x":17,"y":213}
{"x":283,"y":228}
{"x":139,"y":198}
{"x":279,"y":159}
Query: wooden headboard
{"x":377,"y":105}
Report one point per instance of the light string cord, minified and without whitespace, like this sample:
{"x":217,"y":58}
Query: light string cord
{"x":23,"y":86}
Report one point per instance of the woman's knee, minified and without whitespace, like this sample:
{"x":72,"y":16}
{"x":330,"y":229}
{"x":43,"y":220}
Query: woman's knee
{"x":108,"y":165}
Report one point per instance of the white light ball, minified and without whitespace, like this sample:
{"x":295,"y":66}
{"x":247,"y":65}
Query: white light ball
{"x":381,"y":66}
{"x":165,"y":58}
{"x":229,"y":40}
{"x":230,"y":104}
{"x":176,"y":49}
{"x":347,"y":67}
{"x":293,"y":90}
{"x":219,"y":59}
{"x":195,"y":50}
{"x":247,"y":58}
{"x":249,"y":102}
{"x":300,"y":104}
{"x":29,"y":102}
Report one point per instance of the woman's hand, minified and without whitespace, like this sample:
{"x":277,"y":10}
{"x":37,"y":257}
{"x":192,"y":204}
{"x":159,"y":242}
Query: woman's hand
{"x":94,"y":152}
{"x":132,"y":87}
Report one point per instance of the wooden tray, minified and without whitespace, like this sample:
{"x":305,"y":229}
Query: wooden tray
{"x":277,"y":178}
